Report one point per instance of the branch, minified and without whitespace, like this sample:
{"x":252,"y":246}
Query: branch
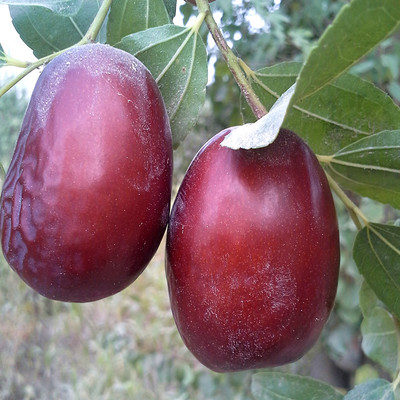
{"x":232,"y":61}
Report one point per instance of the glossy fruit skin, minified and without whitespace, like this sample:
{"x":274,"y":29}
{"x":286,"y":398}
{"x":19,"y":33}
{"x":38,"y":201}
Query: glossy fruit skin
{"x":252,"y":254}
{"x":86,"y":198}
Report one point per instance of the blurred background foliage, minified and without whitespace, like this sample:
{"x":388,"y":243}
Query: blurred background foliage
{"x":127,"y":346}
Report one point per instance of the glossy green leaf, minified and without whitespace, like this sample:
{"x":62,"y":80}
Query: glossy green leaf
{"x":46,"y":32}
{"x":282,"y":386}
{"x":379,"y":340}
{"x":131,"y":16}
{"x":376,"y":389}
{"x":62,"y":7}
{"x":377,"y":255}
{"x":324,"y":119}
{"x":177,"y":59}
{"x":370,"y":167}
{"x":357,"y":29}
{"x":2,"y":57}
{"x":171,"y":8}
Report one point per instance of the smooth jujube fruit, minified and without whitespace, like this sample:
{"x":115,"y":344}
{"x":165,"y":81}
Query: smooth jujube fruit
{"x":86,"y":198}
{"x":252,"y":254}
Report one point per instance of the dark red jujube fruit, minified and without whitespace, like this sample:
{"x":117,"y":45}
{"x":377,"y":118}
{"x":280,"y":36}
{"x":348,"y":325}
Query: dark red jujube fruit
{"x":252,"y":254}
{"x":86,"y":198}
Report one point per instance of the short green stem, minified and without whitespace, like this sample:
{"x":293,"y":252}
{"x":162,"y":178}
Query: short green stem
{"x":31,"y":67}
{"x":97,"y":23}
{"x":232,"y":61}
{"x":13,"y":62}
{"x":396,"y":382}
{"x":247,"y":70}
{"x":354,"y":211}
{"x":325,"y":159}
{"x":2,"y":173}
{"x":198,"y":22}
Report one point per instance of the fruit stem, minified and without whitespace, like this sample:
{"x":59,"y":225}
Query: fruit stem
{"x":89,"y":37}
{"x":354,"y":211}
{"x":13,"y":62}
{"x":97,"y":23}
{"x":30,"y":67}
{"x":232,"y":61}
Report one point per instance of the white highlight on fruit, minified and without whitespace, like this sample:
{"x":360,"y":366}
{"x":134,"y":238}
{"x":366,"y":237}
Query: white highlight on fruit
{"x":264,"y":131}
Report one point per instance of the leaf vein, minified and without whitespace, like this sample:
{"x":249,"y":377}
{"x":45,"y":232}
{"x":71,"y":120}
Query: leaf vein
{"x":330,"y":121}
{"x":166,"y":40}
{"x":365,"y":166}
{"x":370,"y":148}
{"x":377,"y":334}
{"x":384,"y":269}
{"x":40,"y":35}
{"x":188,"y":79}
{"x":75,"y":25}
{"x":365,"y":185}
{"x":174,"y":57}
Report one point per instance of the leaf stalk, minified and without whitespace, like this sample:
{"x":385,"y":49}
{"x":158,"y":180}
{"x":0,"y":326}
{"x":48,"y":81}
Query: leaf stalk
{"x":97,"y":23}
{"x":13,"y":62}
{"x":355,"y":213}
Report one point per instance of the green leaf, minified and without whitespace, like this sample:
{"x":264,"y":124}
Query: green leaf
{"x":357,"y":29}
{"x":370,"y":167}
{"x":62,"y":7}
{"x":131,"y":16}
{"x":376,"y":389}
{"x":323,"y":119}
{"x":379,"y":341}
{"x":177,"y":59}
{"x":46,"y":32}
{"x":368,"y":299}
{"x":3,"y":60}
{"x":170,"y":5}
{"x":377,"y":255}
{"x":2,"y":174}
{"x":282,"y":386}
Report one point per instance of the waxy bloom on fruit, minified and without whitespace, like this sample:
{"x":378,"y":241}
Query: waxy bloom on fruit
{"x":252,"y":254}
{"x":86,"y":198}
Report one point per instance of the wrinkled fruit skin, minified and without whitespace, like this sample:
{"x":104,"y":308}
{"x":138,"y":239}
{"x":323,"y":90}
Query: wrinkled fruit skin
{"x":252,"y":254}
{"x":86,"y":198}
